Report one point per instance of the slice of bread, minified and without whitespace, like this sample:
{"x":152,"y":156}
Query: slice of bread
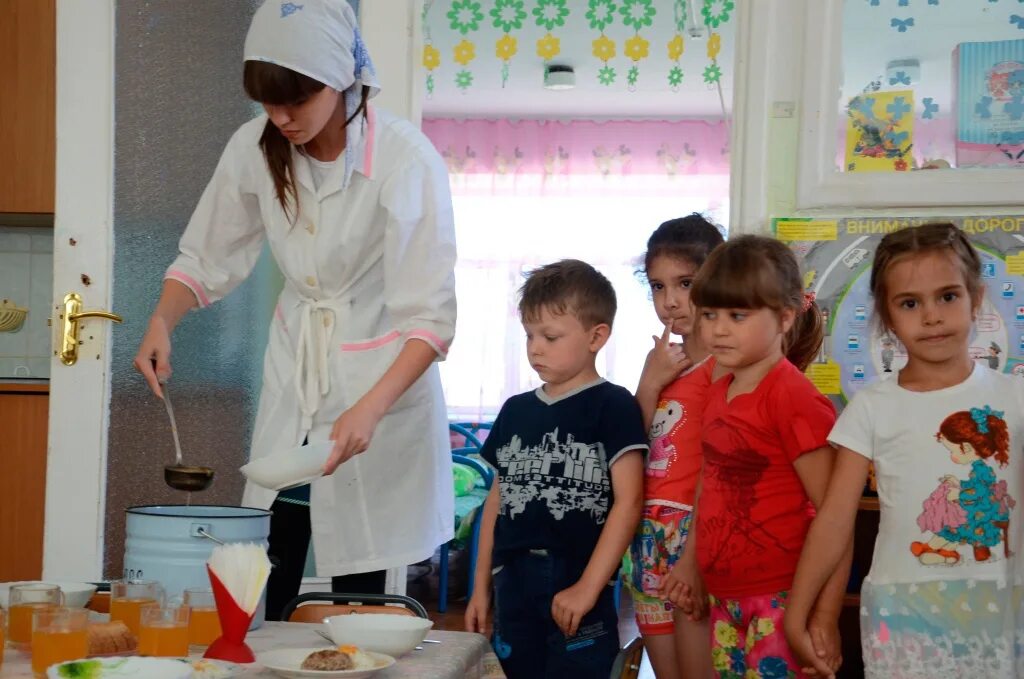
{"x":111,"y":637}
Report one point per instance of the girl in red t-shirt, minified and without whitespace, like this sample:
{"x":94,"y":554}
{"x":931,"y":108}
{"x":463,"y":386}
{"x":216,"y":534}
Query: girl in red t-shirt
{"x":767,"y":459}
{"x":671,"y":394}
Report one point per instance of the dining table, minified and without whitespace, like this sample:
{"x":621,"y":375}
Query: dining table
{"x":458,"y":655}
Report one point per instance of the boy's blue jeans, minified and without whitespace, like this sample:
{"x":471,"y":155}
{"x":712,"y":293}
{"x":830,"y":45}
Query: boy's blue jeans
{"x":526,"y":639}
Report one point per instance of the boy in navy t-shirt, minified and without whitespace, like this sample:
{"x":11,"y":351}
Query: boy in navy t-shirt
{"x":569,"y":491}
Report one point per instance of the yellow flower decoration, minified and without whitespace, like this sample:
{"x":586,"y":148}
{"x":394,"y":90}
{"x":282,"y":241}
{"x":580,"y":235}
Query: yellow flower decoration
{"x":465,"y":52}
{"x":506,"y":47}
{"x":765,"y":626}
{"x":720,"y":659}
{"x":431,"y":57}
{"x":548,"y":47}
{"x":603,"y":48}
{"x":714,"y":45}
{"x":751,"y":673}
{"x":637,"y":47}
{"x":726,"y":635}
{"x":675,"y":48}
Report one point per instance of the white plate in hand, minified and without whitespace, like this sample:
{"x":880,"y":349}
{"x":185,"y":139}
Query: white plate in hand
{"x":287,"y":662}
{"x":290,"y":468}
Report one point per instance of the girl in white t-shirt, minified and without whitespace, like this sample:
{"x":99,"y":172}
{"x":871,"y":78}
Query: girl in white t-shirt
{"x":944,"y":594}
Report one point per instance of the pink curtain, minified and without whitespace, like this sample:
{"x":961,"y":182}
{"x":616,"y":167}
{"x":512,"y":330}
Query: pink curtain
{"x":627,"y":158}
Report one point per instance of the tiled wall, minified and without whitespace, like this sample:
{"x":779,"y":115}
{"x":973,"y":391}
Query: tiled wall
{"x":26,"y":278}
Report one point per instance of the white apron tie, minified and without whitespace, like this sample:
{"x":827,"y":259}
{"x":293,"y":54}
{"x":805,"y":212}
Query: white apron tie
{"x":312,"y":372}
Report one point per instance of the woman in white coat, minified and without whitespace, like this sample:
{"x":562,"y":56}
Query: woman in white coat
{"x":356,"y":208}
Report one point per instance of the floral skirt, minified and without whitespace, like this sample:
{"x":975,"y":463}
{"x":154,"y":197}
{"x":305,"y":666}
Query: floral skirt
{"x":947,"y":628}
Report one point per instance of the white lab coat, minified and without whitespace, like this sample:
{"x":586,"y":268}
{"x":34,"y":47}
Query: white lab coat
{"x":367,"y":266}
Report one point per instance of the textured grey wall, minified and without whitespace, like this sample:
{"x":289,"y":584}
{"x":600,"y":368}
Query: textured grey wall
{"x":179,"y":98}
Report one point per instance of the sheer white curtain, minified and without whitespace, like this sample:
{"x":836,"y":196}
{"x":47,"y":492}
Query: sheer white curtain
{"x":501,"y":237}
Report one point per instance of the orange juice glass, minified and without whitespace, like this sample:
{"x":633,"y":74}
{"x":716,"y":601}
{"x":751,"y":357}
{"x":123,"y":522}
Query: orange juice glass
{"x":164,"y":631}
{"x":203,"y":622}
{"x":3,"y":634}
{"x":58,"y":634}
{"x":129,"y":597}
{"x":24,"y":601}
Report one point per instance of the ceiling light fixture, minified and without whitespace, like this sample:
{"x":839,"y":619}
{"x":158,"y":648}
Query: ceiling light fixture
{"x":559,"y":77}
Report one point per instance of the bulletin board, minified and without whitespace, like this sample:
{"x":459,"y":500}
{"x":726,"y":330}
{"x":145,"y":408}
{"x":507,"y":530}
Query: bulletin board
{"x":835,"y":257}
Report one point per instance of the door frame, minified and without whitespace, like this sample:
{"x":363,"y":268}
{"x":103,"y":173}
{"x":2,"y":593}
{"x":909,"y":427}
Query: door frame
{"x":76,"y":470}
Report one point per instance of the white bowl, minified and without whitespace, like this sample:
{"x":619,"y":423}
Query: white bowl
{"x":76,"y":594}
{"x":291,"y":468}
{"x":380,"y":632}
{"x":287,"y":662}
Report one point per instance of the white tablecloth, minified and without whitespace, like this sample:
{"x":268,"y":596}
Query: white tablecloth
{"x":460,"y":654}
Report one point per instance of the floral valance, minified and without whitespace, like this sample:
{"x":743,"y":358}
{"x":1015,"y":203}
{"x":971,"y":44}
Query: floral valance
{"x":635,"y":157}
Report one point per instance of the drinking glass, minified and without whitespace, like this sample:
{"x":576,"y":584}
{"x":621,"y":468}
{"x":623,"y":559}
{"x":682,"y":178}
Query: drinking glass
{"x":58,"y":634}
{"x":3,"y":632}
{"x":24,"y":601}
{"x":129,"y":597}
{"x":203,"y":623}
{"x":164,"y":631}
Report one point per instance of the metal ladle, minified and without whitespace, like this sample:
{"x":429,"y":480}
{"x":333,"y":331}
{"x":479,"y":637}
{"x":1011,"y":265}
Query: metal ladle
{"x":180,"y":476}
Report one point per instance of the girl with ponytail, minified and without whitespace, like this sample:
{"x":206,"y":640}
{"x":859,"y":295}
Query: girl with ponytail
{"x":767,"y":459}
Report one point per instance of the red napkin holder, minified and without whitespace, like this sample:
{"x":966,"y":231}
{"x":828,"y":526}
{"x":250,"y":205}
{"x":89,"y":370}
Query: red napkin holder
{"x":234,"y":625}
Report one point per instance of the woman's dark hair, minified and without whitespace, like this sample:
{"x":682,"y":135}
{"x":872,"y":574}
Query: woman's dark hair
{"x":690,"y":238}
{"x":755,"y":272}
{"x":276,"y":85}
{"x":919,"y":240}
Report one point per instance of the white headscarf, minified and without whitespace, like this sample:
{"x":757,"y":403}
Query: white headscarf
{"x":317,"y":38}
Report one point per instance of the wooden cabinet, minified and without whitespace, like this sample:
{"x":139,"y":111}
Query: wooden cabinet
{"x":28,"y":32}
{"x":23,"y":424}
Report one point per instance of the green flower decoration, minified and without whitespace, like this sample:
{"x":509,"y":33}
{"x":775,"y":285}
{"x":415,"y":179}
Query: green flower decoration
{"x":632,"y":76}
{"x":463,"y":79}
{"x":465,"y":16}
{"x":550,"y":13}
{"x":637,"y":13}
{"x":601,"y":14}
{"x":606,"y":76}
{"x":430,"y":84}
{"x":715,"y":19}
{"x":508,"y":15}
{"x":675,"y":77}
{"x":679,"y":10}
{"x":712,"y":74}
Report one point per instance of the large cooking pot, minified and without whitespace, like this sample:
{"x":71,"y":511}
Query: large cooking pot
{"x":171,"y":543}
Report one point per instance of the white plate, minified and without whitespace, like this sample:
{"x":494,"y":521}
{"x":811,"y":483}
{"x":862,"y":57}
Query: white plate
{"x":290,"y":468}
{"x":286,"y":662}
{"x":151,"y":668}
{"x":76,"y":594}
{"x":109,"y":668}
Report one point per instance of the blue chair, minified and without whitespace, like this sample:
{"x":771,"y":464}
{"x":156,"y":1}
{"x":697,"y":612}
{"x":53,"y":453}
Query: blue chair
{"x":487,"y":474}
{"x":471,"y":439}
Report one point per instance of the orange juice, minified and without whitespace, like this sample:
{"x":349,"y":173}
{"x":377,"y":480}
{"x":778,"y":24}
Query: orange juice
{"x":164,"y":639}
{"x":19,"y":622}
{"x":2,"y":641}
{"x":128,"y":611}
{"x":53,"y":645}
{"x":203,"y":626}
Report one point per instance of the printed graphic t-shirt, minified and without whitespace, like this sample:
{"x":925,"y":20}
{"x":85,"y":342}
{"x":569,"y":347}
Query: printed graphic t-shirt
{"x":753,"y":513}
{"x":674,"y":461}
{"x":931,"y":482}
{"x":553,"y":457}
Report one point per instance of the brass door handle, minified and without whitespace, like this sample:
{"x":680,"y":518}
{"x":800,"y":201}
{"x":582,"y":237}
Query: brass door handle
{"x":70,"y":317}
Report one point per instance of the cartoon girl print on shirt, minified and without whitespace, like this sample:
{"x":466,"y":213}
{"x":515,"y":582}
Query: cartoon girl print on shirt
{"x":974,"y":512}
{"x":668,"y":418}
